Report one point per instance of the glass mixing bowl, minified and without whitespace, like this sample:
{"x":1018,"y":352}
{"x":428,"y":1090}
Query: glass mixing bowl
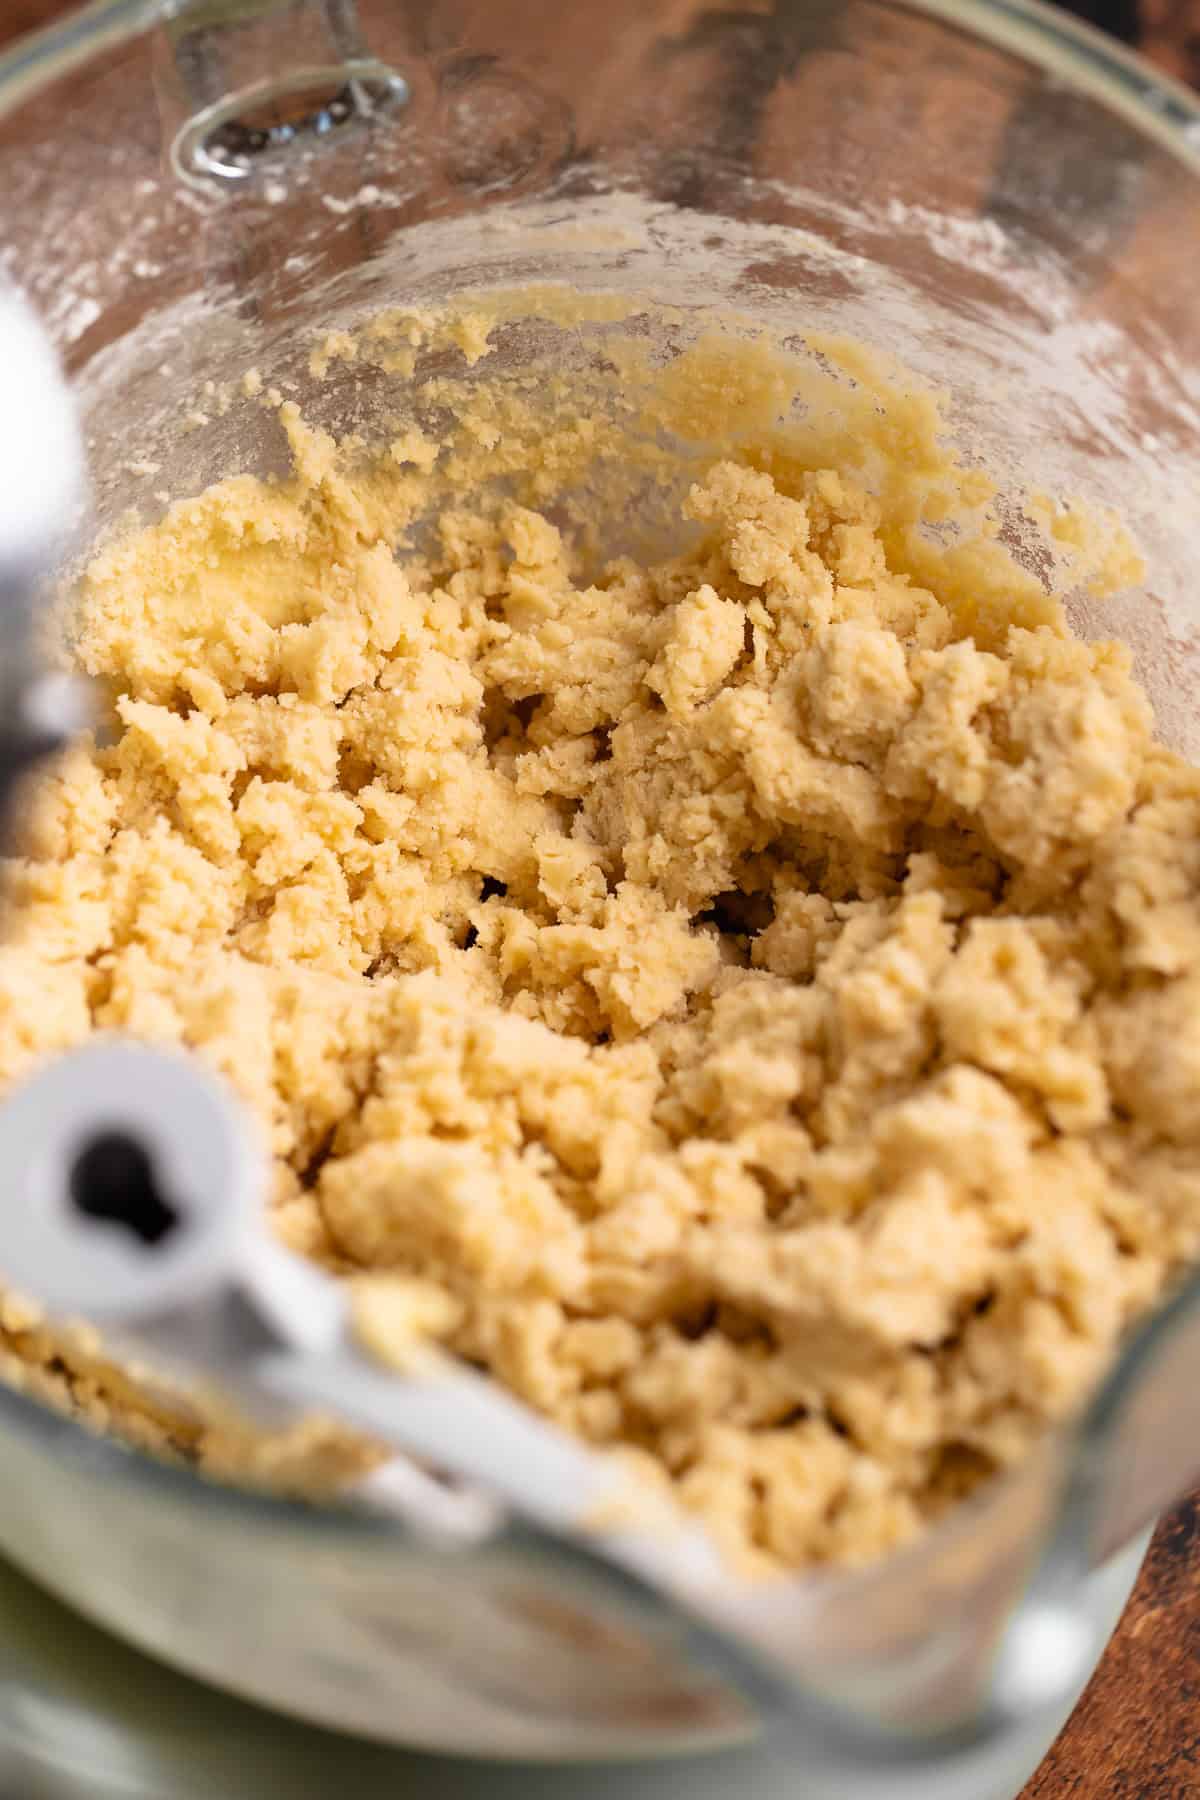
{"x":994,"y":196}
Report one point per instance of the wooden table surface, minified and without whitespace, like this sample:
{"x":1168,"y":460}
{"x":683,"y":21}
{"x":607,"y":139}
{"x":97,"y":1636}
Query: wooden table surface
{"x":1135,"y":1735}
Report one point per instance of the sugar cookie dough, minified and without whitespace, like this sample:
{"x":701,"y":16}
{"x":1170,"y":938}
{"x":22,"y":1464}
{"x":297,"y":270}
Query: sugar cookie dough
{"x":749,"y":1008}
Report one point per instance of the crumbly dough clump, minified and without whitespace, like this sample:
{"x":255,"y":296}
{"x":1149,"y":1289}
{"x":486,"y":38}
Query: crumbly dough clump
{"x":761,"y":1025}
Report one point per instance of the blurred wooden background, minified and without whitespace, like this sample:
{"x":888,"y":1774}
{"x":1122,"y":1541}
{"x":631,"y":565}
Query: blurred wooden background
{"x":1167,"y":31}
{"x":1136,"y":1733}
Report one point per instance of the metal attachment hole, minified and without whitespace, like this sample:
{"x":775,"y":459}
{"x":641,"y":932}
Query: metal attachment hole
{"x":113,"y":1181}
{"x":265,"y":124}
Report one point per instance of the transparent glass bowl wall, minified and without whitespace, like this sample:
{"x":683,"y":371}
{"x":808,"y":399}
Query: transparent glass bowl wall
{"x":992,"y":198}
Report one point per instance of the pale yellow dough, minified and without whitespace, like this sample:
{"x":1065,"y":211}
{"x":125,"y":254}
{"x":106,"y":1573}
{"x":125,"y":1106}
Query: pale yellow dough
{"x":756,"y":1022}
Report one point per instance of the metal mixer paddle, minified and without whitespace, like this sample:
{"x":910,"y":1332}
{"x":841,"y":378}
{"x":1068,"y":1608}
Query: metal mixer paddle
{"x":42,"y":498}
{"x":140,"y":1194}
